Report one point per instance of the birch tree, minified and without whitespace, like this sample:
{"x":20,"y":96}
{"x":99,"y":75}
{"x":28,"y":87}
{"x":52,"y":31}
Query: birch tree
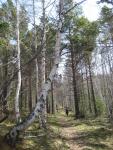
{"x":11,"y":137}
{"x":35,"y":44}
{"x":44,"y":45}
{"x":43,"y":40}
{"x":17,"y":111}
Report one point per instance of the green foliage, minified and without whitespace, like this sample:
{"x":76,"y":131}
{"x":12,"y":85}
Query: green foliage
{"x":3,"y":43}
{"x":50,"y":39}
{"x":3,"y":48}
{"x":106,"y":24}
{"x":71,"y":15}
{"x":106,"y":14}
{"x":23,"y":22}
{"x":85,"y":33}
{"x":101,"y":107}
{"x":4,"y":27}
{"x":106,"y":1}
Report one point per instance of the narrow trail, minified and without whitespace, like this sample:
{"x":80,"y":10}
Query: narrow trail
{"x":94,"y":134}
{"x":64,"y":133}
{"x":68,"y":133}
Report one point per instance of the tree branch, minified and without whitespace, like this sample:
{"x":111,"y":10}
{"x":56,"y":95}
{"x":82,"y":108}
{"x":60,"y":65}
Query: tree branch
{"x":77,"y":4}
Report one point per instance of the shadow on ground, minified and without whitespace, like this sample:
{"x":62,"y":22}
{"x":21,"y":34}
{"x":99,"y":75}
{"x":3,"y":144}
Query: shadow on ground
{"x":95,"y":134}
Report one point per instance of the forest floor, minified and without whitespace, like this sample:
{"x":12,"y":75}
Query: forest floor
{"x":64,"y":133}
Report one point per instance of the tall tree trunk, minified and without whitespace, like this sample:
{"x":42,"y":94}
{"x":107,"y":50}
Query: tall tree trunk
{"x":52,"y":95}
{"x":47,"y":105}
{"x":35,"y":44}
{"x":21,"y":97}
{"x":43,"y":40}
{"x":25,"y":95}
{"x":88,"y":90}
{"x":105,"y":92}
{"x":92,"y":89}
{"x":52,"y":99}
{"x":107,"y":89}
{"x":4,"y":94}
{"x":76,"y":100}
{"x":30,"y":91}
{"x":83,"y":97}
{"x":17,"y":111}
{"x":111,"y":77}
{"x":40,"y":106}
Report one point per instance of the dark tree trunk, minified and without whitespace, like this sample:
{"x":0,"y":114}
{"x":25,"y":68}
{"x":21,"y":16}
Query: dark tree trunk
{"x":30,"y":92}
{"x":26,"y":95}
{"x":76,"y":100}
{"x":47,"y":105}
{"x":5,"y":73}
{"x":88,"y":91}
{"x":83,"y":97}
{"x":4,"y":93}
{"x":52,"y":98}
{"x":92,"y":89}
{"x":21,"y":97}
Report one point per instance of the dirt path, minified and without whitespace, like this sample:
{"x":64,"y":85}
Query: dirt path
{"x":95,"y":134}
{"x":68,"y":133}
{"x":64,"y":133}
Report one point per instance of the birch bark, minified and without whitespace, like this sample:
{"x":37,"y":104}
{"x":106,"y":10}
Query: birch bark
{"x":12,"y":136}
{"x":35,"y":40}
{"x":17,"y":111}
{"x":43,"y":56}
{"x":44,"y":45}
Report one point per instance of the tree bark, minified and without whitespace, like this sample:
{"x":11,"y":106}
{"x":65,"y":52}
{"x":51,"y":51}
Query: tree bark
{"x":43,"y":40}
{"x":11,"y":137}
{"x":35,"y":44}
{"x":17,"y":111}
{"x":52,"y":98}
{"x":92,"y":89}
{"x":4,"y":94}
{"x":88,"y":90}
{"x":107,"y":94}
{"x":76,"y":100}
{"x":30,"y":92}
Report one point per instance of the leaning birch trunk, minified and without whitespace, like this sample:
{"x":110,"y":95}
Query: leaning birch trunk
{"x":17,"y":111}
{"x":12,"y":136}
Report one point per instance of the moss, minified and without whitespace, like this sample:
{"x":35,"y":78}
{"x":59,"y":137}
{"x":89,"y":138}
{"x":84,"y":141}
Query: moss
{"x":62,"y":131}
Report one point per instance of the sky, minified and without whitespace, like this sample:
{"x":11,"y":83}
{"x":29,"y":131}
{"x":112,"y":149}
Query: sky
{"x":91,"y":9}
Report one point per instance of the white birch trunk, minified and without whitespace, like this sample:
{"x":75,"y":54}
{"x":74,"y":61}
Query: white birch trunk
{"x":44,"y":46}
{"x":17,"y":111}
{"x":35,"y":40}
{"x":38,"y":111}
{"x":43,"y":55}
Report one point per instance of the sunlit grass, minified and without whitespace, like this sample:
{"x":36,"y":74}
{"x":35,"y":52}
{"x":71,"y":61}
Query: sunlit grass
{"x":90,"y":134}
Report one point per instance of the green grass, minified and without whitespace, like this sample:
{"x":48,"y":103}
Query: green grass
{"x":92,"y":134}
{"x":95,"y":134}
